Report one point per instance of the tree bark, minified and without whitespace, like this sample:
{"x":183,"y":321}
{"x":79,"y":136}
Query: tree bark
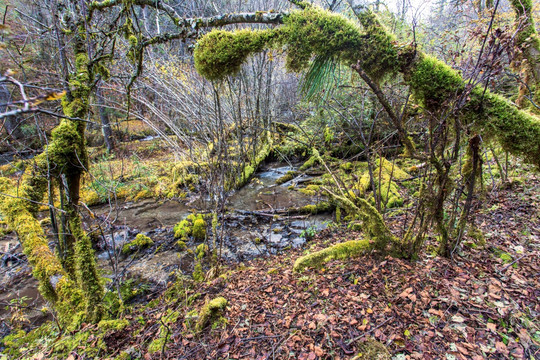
{"x":528,"y":55}
{"x":105,"y":121}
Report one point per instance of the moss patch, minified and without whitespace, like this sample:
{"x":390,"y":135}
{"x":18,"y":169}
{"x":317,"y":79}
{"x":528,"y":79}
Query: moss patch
{"x":140,"y":242}
{"x":220,"y":53}
{"x":339,"y":251}
{"x":193,"y":225}
{"x":210,"y":312}
{"x":372,"y":349}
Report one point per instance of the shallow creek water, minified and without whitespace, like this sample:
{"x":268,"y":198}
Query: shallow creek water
{"x":250,"y":231}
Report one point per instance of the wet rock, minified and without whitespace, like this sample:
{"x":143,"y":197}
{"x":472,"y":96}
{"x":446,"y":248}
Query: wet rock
{"x":298,"y":242}
{"x":275,"y":238}
{"x":249,"y":250}
{"x":299,"y":224}
{"x":278,"y":241}
{"x":228,"y":254}
{"x":117,"y":239}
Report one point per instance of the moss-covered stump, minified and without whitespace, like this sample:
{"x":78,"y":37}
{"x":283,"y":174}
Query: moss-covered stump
{"x":139,"y":243}
{"x":210,"y":312}
{"x":340,"y":251}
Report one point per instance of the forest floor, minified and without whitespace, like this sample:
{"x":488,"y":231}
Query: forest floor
{"x":482,"y":303}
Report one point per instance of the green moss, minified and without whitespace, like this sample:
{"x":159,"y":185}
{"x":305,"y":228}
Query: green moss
{"x":201,"y":251}
{"x":140,"y":242}
{"x":159,"y":343}
{"x":339,"y":251}
{"x":317,"y":32}
{"x":505,"y":257}
{"x":477,"y":235}
{"x":287,"y":177}
{"x":433,"y":82}
{"x":198,"y":273}
{"x":181,"y":245}
{"x":199,"y":229}
{"x":355,"y":226}
{"x":221,"y":53}
{"x":182,"y":230}
{"x":194,"y":225}
{"x":385,"y":173}
{"x":210,"y":312}
{"x":318,"y":208}
{"x":496,"y":118}
{"x":347,"y":166}
{"x":250,"y":167}
{"x":310,"y":190}
{"x":115,"y":325}
{"x":314,"y":159}
{"x":20,"y":344}
{"x":53,"y":282}
{"x":338,"y":215}
{"x":86,"y":271}
{"x":305,"y":33}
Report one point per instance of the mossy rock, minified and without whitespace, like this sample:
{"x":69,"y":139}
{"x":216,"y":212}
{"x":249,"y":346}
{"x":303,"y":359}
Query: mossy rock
{"x":193,"y":225}
{"x":210,"y":313}
{"x":182,"y":230}
{"x":199,"y":229}
{"x":140,"y":242}
{"x":321,"y":207}
{"x":287,"y":177}
{"x":310,"y":190}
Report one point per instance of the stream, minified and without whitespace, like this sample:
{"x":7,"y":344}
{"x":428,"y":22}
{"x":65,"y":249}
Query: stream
{"x":250,"y":231}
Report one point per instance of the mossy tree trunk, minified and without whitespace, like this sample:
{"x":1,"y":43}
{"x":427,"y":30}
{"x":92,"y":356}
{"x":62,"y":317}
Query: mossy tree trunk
{"x":528,"y":55}
{"x":70,"y":282}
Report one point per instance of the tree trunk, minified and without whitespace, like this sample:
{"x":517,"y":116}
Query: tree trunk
{"x":528,"y":55}
{"x":105,"y":121}
{"x":11,"y":124}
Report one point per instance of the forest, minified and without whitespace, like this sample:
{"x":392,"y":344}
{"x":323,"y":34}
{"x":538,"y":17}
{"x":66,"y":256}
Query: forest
{"x":280,"y":179}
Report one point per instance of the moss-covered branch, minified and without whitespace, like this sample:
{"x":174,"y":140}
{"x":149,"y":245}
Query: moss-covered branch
{"x":339,"y":251}
{"x":316,"y":32}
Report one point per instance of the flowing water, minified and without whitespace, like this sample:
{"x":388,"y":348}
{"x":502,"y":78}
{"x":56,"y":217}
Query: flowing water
{"x":250,"y":230}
